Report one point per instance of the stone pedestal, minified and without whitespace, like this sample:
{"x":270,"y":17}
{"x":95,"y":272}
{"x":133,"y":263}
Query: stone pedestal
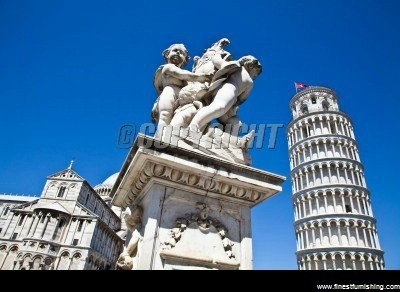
{"x":195,"y":207}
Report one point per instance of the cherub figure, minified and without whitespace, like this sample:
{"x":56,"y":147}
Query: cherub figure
{"x":169,"y":79}
{"x":229,"y":94}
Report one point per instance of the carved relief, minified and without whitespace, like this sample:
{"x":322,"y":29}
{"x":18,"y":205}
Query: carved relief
{"x":204,"y":224}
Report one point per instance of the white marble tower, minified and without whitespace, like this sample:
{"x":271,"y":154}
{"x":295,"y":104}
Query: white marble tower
{"x":334,"y":224}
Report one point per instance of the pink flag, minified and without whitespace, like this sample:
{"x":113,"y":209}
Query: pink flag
{"x":300,"y":86}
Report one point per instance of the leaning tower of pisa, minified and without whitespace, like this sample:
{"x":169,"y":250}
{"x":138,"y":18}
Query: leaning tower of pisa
{"x":334,"y":224}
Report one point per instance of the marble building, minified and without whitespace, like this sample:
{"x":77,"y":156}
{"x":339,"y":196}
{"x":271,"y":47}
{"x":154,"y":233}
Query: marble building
{"x":8,"y":202}
{"x":334,"y":224}
{"x":69,"y":227}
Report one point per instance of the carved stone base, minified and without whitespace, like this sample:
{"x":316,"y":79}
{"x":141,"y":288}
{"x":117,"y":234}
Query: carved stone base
{"x":214,"y":142}
{"x":196,"y":207}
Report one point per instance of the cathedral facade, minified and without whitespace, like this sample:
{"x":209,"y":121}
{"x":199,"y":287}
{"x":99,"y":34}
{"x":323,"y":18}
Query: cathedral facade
{"x":69,"y":227}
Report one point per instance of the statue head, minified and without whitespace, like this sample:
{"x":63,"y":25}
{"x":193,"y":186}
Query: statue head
{"x":177,"y":55}
{"x":252,"y":65}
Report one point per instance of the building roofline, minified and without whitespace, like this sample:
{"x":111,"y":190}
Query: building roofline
{"x":24,"y":198}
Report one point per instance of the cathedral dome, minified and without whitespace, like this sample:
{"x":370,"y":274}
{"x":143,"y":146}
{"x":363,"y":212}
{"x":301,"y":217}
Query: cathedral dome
{"x":110,"y":181}
{"x":104,"y":189}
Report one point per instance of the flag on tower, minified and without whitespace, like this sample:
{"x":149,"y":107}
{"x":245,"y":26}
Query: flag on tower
{"x":300,"y":86}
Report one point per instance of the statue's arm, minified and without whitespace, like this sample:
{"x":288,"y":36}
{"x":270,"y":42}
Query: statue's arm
{"x":157,"y":80}
{"x":185,"y":75}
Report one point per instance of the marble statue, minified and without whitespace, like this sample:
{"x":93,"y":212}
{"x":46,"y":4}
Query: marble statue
{"x":232,"y":92}
{"x":213,"y":91}
{"x":133,"y":218}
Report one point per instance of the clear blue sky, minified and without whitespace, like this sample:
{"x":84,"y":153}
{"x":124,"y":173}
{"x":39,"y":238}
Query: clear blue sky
{"x":73,"y":72}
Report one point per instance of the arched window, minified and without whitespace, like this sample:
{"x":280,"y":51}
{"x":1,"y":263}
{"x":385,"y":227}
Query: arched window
{"x":80,"y":225}
{"x":61,"y":223}
{"x":6,"y":210}
{"x":21,"y":220}
{"x":57,"y":232}
{"x":61,"y":192}
{"x":304,"y":109}
{"x":325,"y":105}
{"x":313,"y":100}
{"x":64,"y":261}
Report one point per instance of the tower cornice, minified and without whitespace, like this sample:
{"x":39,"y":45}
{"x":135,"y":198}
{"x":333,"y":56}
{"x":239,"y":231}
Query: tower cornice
{"x":316,"y":138}
{"x":327,"y":187}
{"x":316,"y":113}
{"x":326,"y":161}
{"x":334,"y":216}
{"x":312,"y":89}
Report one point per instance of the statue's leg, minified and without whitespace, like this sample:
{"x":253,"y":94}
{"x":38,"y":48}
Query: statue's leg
{"x":165,"y":109}
{"x":183,"y":117}
{"x":223,"y":101}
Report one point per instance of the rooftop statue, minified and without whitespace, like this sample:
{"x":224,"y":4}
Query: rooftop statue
{"x":189,"y":101}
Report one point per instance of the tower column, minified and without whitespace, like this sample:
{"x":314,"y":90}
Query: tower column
{"x":325,"y":202}
{"x":306,"y":235}
{"x":301,"y":180}
{"x":301,"y":238}
{"x":309,"y":205}
{"x":339,"y":234}
{"x":313,"y":125}
{"x":378,"y":246}
{"x":313,"y":235}
{"x":352,"y":175}
{"x":336,"y":126}
{"x":371,"y":238}
{"x":357,"y":235}
{"x":348,"y":233}
{"x":303,"y":205}
{"x":341,"y":194}
{"x":307,"y":180}
{"x":365,"y":236}
{"x":351,"y":201}
{"x":341,"y":149}
{"x":334,"y":201}
{"x":328,"y":166}
{"x":320,"y":233}
{"x":316,"y":202}
{"x":321,"y":172}
{"x":318,"y":151}
{"x":337,"y":172}
{"x":329,"y":234}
